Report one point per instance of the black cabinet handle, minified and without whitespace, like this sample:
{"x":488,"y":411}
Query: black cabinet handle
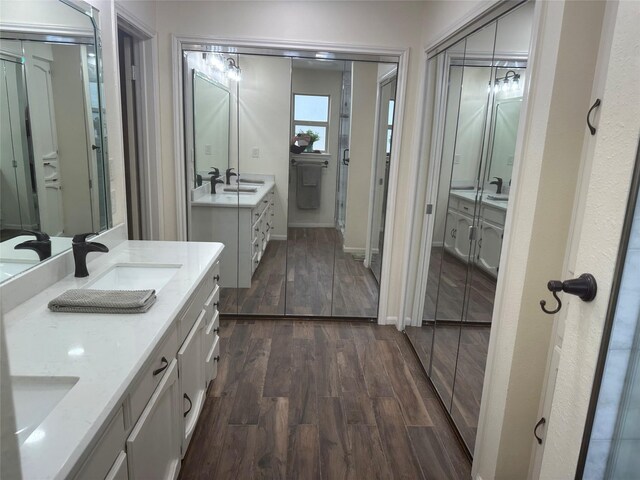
{"x":541,"y":422}
{"x":186,"y":397}
{"x":163,"y":368}
{"x":263,"y":236}
{"x":592,"y":129}
{"x":216,"y":304}
{"x":216,"y":359}
{"x":216,"y":330}
{"x":265,"y":201}
{"x":216,"y":278}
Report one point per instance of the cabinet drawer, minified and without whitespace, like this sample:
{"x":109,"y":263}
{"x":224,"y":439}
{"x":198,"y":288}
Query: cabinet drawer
{"x":153,"y":448}
{"x":119,"y":469}
{"x":494,"y":215}
{"x":211,"y":331}
{"x":213,"y":358}
{"x":148,"y":382}
{"x":195,"y":306}
{"x":465,"y":207}
{"x":103,"y":456}
{"x":212,"y":304}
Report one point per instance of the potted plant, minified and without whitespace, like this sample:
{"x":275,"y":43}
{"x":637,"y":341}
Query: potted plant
{"x":312,"y":136}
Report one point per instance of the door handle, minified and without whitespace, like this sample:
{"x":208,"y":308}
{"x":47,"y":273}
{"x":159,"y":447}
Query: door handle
{"x":345,"y":159}
{"x":541,"y":422}
{"x":585,"y":287}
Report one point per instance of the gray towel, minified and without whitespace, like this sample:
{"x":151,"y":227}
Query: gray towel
{"x":308,"y":186}
{"x":103,"y":301}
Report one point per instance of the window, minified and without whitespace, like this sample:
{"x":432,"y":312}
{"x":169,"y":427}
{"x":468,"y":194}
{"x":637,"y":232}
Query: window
{"x":311,"y":112}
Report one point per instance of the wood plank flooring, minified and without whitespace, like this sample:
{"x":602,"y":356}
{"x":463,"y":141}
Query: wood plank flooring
{"x":446,"y":282}
{"x":311,"y":399}
{"x":309,"y":274}
{"x":457,"y":369}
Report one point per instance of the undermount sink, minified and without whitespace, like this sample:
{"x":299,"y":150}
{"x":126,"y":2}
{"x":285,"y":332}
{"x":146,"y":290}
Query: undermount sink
{"x":33,"y":399}
{"x":135,"y":277}
{"x":9,"y":267}
{"x":241,"y":189}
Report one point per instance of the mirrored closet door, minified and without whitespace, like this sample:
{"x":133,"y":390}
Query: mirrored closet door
{"x":478,"y":86}
{"x":298,"y":150}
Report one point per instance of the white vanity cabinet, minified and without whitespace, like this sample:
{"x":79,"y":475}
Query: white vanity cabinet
{"x":165,"y":400}
{"x":460,"y":217}
{"x":243,"y":222}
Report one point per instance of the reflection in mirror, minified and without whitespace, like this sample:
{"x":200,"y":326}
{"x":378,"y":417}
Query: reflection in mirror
{"x":477,"y":91}
{"x":53,"y":172}
{"x":210,"y":124}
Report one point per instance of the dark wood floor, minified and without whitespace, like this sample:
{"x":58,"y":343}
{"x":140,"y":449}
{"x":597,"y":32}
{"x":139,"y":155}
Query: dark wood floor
{"x":313,"y":399}
{"x":445,"y":292}
{"x":321,"y":280}
{"x":457,"y":369}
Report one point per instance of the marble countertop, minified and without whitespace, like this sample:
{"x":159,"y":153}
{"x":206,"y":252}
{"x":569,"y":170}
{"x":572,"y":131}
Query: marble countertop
{"x":203,"y":198}
{"x":105,"y":352}
{"x":470,"y":195}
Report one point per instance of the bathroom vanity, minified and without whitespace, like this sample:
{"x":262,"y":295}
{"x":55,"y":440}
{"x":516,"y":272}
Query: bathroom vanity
{"x":116,"y":396}
{"x":242,"y":221}
{"x":460,"y":215}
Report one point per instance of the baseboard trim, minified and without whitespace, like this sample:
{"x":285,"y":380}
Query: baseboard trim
{"x":312,"y":225}
{"x":390,"y":321}
{"x":278,"y":237}
{"x":354,"y":250}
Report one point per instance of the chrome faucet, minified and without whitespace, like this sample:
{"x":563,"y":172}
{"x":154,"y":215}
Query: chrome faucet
{"x":229,"y":175}
{"x":80,"y":250}
{"x":498,"y":184}
{"x":41,"y":245}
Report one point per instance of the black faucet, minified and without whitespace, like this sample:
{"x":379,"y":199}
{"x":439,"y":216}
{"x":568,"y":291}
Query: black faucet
{"x":498,"y":184}
{"x":215,"y":173}
{"x":80,"y":250}
{"x":229,"y":175}
{"x":41,"y":245}
{"x":214,"y":181}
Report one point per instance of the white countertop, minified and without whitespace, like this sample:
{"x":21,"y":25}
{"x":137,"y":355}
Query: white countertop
{"x":104,"y":351}
{"x":470,"y":195}
{"x":203,"y":198}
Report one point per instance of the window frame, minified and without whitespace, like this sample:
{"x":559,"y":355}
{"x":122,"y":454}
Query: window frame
{"x":312,"y":123}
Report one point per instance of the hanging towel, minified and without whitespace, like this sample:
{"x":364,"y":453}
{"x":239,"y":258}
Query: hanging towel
{"x":309,"y":178}
{"x":103,"y":301}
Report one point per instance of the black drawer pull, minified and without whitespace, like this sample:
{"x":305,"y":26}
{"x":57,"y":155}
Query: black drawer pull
{"x":216,"y":359}
{"x":163,"y":368}
{"x":541,"y":422}
{"x":265,"y":201}
{"x":216,"y":278}
{"x":216,"y":330}
{"x":186,"y":397}
{"x":216,"y":304}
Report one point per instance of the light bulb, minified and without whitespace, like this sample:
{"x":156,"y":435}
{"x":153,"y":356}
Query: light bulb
{"x":216,"y":61}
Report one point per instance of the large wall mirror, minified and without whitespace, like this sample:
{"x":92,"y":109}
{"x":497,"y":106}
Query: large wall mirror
{"x":53,"y":168}
{"x":478,"y":86}
{"x":287,"y":162}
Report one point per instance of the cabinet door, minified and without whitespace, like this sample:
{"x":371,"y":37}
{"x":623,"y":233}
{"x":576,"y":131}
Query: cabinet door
{"x":462,"y":245}
{"x":191,"y":361}
{"x":153,"y":448}
{"x":490,"y":245}
{"x":450,"y":227}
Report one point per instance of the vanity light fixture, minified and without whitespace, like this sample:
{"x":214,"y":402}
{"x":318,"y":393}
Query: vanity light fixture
{"x":232,"y":70}
{"x":511,"y":81}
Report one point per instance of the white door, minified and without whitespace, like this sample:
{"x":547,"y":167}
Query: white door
{"x":608,"y":159}
{"x":191,"y":365}
{"x":490,"y":245}
{"x":153,"y":448}
{"x":45,"y":146}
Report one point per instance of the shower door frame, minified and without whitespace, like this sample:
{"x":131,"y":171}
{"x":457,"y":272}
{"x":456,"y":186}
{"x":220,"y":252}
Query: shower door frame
{"x":205,"y":43}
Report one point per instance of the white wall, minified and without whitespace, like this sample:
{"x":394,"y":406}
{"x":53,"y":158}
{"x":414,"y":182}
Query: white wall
{"x":319,"y":82}
{"x":264,"y":110}
{"x":364,"y":90}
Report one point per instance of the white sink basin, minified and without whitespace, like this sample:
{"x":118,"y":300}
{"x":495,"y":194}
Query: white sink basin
{"x":135,"y":277}
{"x":33,"y":400}
{"x":9,"y":267}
